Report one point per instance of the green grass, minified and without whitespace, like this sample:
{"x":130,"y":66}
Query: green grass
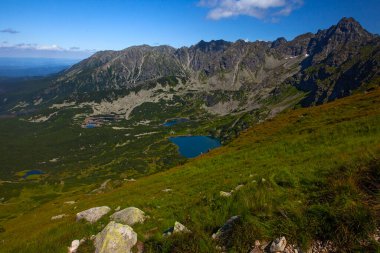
{"x":320,"y":168}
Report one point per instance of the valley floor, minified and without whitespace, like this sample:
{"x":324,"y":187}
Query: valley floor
{"x":308,"y":174}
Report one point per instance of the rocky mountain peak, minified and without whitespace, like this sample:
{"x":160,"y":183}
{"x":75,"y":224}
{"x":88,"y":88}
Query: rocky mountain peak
{"x":347,"y":29}
{"x":278,"y":42}
{"x":212,"y":46}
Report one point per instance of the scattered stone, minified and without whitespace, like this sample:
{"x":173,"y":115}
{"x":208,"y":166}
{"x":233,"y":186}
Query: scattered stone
{"x":115,"y":238}
{"x":260,"y":247}
{"x":263,"y":180}
{"x":74,"y":246}
{"x":225,"y":194}
{"x":57,"y":217}
{"x":178,"y":228}
{"x":92,"y":215}
{"x":129,"y":216}
{"x":117,"y":208}
{"x":102,"y":187}
{"x":319,"y":246}
{"x":71,"y":202}
{"x":291,"y":249}
{"x":167,"y":190}
{"x":238,"y":187}
{"x":130,"y":180}
{"x":54,"y":160}
{"x":253,"y":181}
{"x":376,"y":236}
{"x":278,"y":245}
{"x":220,"y":248}
{"x":225,"y":232}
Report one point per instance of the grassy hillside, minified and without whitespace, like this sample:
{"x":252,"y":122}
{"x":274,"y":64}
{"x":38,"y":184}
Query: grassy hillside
{"x":308,"y":174}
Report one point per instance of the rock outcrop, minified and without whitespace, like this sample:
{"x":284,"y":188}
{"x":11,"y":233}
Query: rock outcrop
{"x":115,"y":238}
{"x":92,"y":215}
{"x":129,"y":216}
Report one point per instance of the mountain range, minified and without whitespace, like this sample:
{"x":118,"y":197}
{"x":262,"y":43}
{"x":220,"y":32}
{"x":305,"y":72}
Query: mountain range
{"x":323,"y":66}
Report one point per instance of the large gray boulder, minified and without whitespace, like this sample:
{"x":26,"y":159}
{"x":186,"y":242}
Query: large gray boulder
{"x":129,"y":216}
{"x":92,"y":215}
{"x":115,"y":238}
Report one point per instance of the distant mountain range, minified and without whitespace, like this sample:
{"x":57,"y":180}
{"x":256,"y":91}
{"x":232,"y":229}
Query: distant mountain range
{"x":229,"y":76}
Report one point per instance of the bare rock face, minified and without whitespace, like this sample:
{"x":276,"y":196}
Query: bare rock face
{"x":115,"y":238}
{"x":129,"y":216}
{"x":278,"y":245}
{"x":92,"y":215}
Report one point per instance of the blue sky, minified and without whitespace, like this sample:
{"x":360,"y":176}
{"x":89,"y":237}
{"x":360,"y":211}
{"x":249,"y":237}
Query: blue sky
{"x":76,"y":28}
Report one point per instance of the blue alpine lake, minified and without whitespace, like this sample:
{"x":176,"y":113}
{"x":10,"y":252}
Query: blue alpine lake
{"x":33,"y":172}
{"x":193,"y":146}
{"x":90,"y":125}
{"x":174,"y":122}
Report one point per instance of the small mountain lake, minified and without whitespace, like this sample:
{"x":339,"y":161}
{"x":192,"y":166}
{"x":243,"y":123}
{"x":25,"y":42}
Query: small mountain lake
{"x":173,"y":122}
{"x":90,"y":125}
{"x":32,"y":172}
{"x":193,"y":146}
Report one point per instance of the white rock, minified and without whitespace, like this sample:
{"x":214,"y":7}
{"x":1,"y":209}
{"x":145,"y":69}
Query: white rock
{"x":238,"y":187}
{"x":74,"y":246}
{"x":92,"y":215}
{"x":180,"y":228}
{"x":167,"y":190}
{"x":225,"y":194}
{"x":57,"y":217}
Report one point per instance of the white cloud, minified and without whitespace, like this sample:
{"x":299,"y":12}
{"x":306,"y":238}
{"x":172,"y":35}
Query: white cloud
{"x":260,"y":9}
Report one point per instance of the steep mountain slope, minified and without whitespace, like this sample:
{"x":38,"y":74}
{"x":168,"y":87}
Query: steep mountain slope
{"x":309,"y":174}
{"x":342,"y":59}
{"x":228,"y":77}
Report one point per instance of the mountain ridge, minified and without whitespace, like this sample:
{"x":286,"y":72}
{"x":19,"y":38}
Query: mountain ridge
{"x":236,"y":63}
{"x":224,"y":77}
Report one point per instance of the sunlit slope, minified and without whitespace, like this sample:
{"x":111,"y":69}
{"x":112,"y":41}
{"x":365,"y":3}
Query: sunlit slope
{"x":307,"y":174}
